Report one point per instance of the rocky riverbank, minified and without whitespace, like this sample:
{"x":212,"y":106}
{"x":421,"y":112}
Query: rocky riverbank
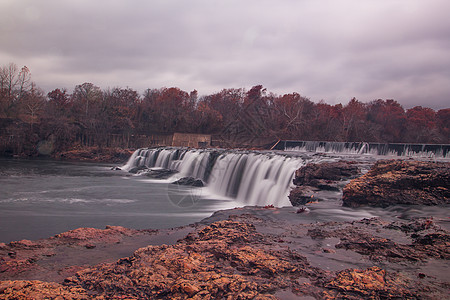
{"x":387,"y":183}
{"x":312,"y":179}
{"x":257,"y":252}
{"x":95,"y":154}
{"x":394,"y":182}
{"x":246,"y":253}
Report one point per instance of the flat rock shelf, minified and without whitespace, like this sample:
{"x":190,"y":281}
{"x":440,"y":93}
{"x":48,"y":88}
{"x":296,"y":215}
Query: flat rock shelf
{"x":242,"y":253}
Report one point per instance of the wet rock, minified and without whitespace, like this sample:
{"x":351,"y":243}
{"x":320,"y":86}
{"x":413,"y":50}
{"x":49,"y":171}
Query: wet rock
{"x":378,"y":247}
{"x":372,"y":283}
{"x":413,"y":226}
{"x":249,"y":256}
{"x":215,"y":262}
{"x":139,"y":169}
{"x":324,"y":175}
{"x":90,"y":246}
{"x":189,"y":181}
{"x":392,"y":182}
{"x":31,"y":290}
{"x":433,"y":244}
{"x":27,"y":259}
{"x":302,"y":195}
{"x":111,"y":234}
{"x":158,"y":173}
{"x":314,"y":178}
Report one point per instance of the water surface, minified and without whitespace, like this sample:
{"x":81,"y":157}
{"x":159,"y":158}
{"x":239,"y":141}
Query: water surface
{"x":40,"y":198}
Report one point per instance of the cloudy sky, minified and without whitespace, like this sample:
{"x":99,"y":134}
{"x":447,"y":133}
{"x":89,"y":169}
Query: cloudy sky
{"x":323,"y":49}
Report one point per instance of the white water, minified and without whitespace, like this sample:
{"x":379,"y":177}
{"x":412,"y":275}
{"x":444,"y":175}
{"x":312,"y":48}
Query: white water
{"x":249,"y":178}
{"x":393,"y":149}
{"x":258,"y":178}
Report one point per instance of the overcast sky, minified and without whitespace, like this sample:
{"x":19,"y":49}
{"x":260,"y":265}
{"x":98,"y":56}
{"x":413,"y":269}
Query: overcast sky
{"x":323,"y":49}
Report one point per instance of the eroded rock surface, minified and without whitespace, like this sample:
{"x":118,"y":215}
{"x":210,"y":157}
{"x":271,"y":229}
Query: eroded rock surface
{"x":392,"y":182}
{"x":257,"y":253}
{"x":55,"y":258}
{"x":189,"y":181}
{"x":312,"y":178}
{"x":321,"y":175}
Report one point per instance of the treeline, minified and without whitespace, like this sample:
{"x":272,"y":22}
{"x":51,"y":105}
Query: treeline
{"x":60,"y":120}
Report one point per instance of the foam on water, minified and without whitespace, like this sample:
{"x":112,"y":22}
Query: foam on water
{"x":249,"y":178}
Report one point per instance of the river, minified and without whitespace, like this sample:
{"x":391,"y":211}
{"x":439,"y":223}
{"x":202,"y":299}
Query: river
{"x":41,"y":198}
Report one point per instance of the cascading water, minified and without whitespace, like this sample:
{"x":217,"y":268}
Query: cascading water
{"x":258,"y":178}
{"x":388,"y":149}
{"x":250,"y":178}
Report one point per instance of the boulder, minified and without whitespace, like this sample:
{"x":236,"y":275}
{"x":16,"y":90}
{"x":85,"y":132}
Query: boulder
{"x":314,"y":178}
{"x":152,"y":173}
{"x":159,"y":173}
{"x":190,"y":181}
{"x":135,"y":170}
{"x":399,"y":182}
{"x":325,"y":175}
{"x":302,"y":195}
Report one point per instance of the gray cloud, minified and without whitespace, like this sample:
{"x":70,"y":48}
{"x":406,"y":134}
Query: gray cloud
{"x":330,"y":50}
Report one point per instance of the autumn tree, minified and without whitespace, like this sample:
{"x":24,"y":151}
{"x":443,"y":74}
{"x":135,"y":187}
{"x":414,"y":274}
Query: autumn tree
{"x":421,"y":125}
{"x":172,"y":106}
{"x":327,"y":122}
{"x":443,"y":125}
{"x":293,"y":116}
{"x":86,"y":95}
{"x":31,"y":105}
{"x":228,"y":102}
{"x":118,"y":109}
{"x":86,"y":108}
{"x":387,"y":121}
{"x":90,"y":116}
{"x":207,"y":119}
{"x":353,"y":121}
{"x":254,"y":115}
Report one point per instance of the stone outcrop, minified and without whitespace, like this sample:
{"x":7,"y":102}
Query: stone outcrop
{"x":154,"y":173}
{"x":64,"y":254}
{"x":189,"y":181}
{"x":35,"y":289}
{"x":313,"y":178}
{"x":372,"y":283}
{"x":393,"y":182}
{"x":255,"y":253}
{"x":325,"y":174}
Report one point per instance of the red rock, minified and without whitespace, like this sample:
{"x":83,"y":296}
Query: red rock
{"x":391,"y":182}
{"x":36,"y":290}
{"x":324,"y":174}
{"x":232,"y":259}
{"x":372,"y":283}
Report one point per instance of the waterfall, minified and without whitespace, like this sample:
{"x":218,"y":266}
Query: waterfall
{"x":248,"y":177}
{"x":384,"y":149}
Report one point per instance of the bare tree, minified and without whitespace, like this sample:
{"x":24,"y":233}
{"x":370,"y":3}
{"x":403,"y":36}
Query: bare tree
{"x":87,"y":93}
{"x":14,"y":84}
